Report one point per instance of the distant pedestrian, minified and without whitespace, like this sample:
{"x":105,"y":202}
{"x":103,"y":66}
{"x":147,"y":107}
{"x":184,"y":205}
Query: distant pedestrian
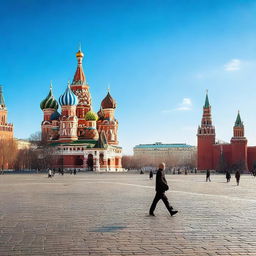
{"x":237,"y":177}
{"x":208,"y":175}
{"x":228,"y":176}
{"x":75,"y":171}
{"x":49,"y":173}
{"x":70,"y":171}
{"x":151,"y":175}
{"x":161,"y":187}
{"x":141,"y":172}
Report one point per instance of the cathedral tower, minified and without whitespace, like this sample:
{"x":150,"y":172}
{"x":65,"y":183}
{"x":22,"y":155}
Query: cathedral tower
{"x":107,"y":121}
{"x":6,"y":130}
{"x":239,"y":145}
{"x":68,"y":118}
{"x":49,"y":106}
{"x":81,"y":89}
{"x":205,"y":139}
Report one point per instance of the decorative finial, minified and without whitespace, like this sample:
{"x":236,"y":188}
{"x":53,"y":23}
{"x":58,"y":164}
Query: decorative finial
{"x":206,"y":91}
{"x":238,"y":111}
{"x":51,"y":85}
{"x":80,"y":47}
{"x":68,"y":83}
{"x":108,"y":87}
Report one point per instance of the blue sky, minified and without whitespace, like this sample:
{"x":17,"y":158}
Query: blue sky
{"x":159,"y":57}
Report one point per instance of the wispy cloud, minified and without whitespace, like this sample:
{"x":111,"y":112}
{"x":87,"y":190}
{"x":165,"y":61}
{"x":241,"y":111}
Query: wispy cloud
{"x":185,"y":105}
{"x":233,"y":65}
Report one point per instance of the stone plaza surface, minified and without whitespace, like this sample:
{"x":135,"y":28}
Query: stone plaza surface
{"x":107,"y":214}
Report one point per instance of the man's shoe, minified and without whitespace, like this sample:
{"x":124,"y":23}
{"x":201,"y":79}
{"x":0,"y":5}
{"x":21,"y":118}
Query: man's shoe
{"x":173,"y":212}
{"x":152,"y":214}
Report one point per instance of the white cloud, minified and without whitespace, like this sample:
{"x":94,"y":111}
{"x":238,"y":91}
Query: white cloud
{"x":233,"y":65}
{"x":185,"y":105}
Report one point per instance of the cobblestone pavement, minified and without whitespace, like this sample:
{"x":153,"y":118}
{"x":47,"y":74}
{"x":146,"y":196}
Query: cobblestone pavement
{"x":107,"y":214}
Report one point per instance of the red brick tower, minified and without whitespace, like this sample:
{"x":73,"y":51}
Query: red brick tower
{"x":6,"y":130}
{"x":107,"y":121}
{"x":239,"y":145}
{"x":205,"y":139}
{"x":81,"y":89}
{"x":68,"y":118}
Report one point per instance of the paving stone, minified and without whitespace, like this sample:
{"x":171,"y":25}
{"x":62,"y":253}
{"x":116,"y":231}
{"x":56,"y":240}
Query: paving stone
{"x":107,"y":214}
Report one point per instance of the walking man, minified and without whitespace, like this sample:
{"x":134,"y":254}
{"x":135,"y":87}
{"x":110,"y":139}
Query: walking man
{"x":237,"y":177}
{"x":161,"y":187}
{"x":208,"y":174}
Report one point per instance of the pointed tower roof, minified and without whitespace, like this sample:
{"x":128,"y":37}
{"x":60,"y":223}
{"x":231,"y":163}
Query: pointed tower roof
{"x":79,"y":77}
{"x":206,"y":104}
{"x":2,"y":104}
{"x":238,"y":122}
{"x":108,"y":102}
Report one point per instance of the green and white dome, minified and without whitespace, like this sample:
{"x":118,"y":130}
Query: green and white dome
{"x":49,"y":101}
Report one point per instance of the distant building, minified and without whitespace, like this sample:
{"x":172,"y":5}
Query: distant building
{"x":24,"y":144}
{"x":6,"y":129}
{"x":213,"y":155}
{"x":173,"y":154}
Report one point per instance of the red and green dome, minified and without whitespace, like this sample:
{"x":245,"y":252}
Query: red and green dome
{"x":49,"y":102}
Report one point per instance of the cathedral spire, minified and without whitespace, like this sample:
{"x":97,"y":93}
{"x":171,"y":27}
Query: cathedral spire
{"x":79,"y":77}
{"x":2,"y":103}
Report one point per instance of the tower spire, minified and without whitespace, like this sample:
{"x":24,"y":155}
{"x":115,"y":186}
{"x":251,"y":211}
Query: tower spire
{"x":238,"y":122}
{"x":79,"y":77}
{"x":206,"y":104}
{"x":2,"y":103}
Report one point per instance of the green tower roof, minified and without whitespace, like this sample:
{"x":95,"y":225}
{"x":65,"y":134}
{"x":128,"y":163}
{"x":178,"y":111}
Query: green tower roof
{"x":2,"y":104}
{"x":238,"y":122}
{"x":206,"y":104}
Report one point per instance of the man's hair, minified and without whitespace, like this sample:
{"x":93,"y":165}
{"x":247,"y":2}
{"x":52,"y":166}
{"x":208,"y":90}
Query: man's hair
{"x":162,"y":165}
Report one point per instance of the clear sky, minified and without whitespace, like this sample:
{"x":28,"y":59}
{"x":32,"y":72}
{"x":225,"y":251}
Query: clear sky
{"x":159,"y":57}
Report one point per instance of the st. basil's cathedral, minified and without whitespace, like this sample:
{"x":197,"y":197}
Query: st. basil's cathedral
{"x":81,"y":138}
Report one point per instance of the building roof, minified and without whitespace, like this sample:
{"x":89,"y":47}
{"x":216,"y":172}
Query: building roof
{"x":108,"y":102}
{"x":163,"y":145}
{"x":238,"y":122}
{"x":206,"y":104}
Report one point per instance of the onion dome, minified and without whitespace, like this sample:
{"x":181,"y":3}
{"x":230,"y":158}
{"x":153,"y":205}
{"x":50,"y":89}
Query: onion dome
{"x":49,"y":101}
{"x":79,"y":54}
{"x":108,"y":102}
{"x":68,"y":98}
{"x":91,"y":116}
{"x":55,"y":116}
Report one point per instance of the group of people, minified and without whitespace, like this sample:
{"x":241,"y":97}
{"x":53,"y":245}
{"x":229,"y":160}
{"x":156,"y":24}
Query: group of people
{"x":228,"y":176}
{"x":51,"y":172}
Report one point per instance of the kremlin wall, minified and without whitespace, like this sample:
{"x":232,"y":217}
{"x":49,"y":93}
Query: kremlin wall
{"x":214,"y":156}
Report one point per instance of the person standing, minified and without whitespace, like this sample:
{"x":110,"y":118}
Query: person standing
{"x":208,"y":174}
{"x":228,"y":176}
{"x":237,"y":177}
{"x":161,"y":187}
{"x":151,"y":175}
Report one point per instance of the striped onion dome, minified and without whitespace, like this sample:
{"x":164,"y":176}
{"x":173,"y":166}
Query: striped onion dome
{"x":68,"y":98}
{"x":49,"y":101}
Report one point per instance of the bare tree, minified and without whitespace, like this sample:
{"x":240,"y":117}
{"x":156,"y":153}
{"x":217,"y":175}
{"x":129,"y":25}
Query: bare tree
{"x":8,"y":152}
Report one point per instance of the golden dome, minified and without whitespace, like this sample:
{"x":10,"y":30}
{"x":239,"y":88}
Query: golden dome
{"x":79,"y":54}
